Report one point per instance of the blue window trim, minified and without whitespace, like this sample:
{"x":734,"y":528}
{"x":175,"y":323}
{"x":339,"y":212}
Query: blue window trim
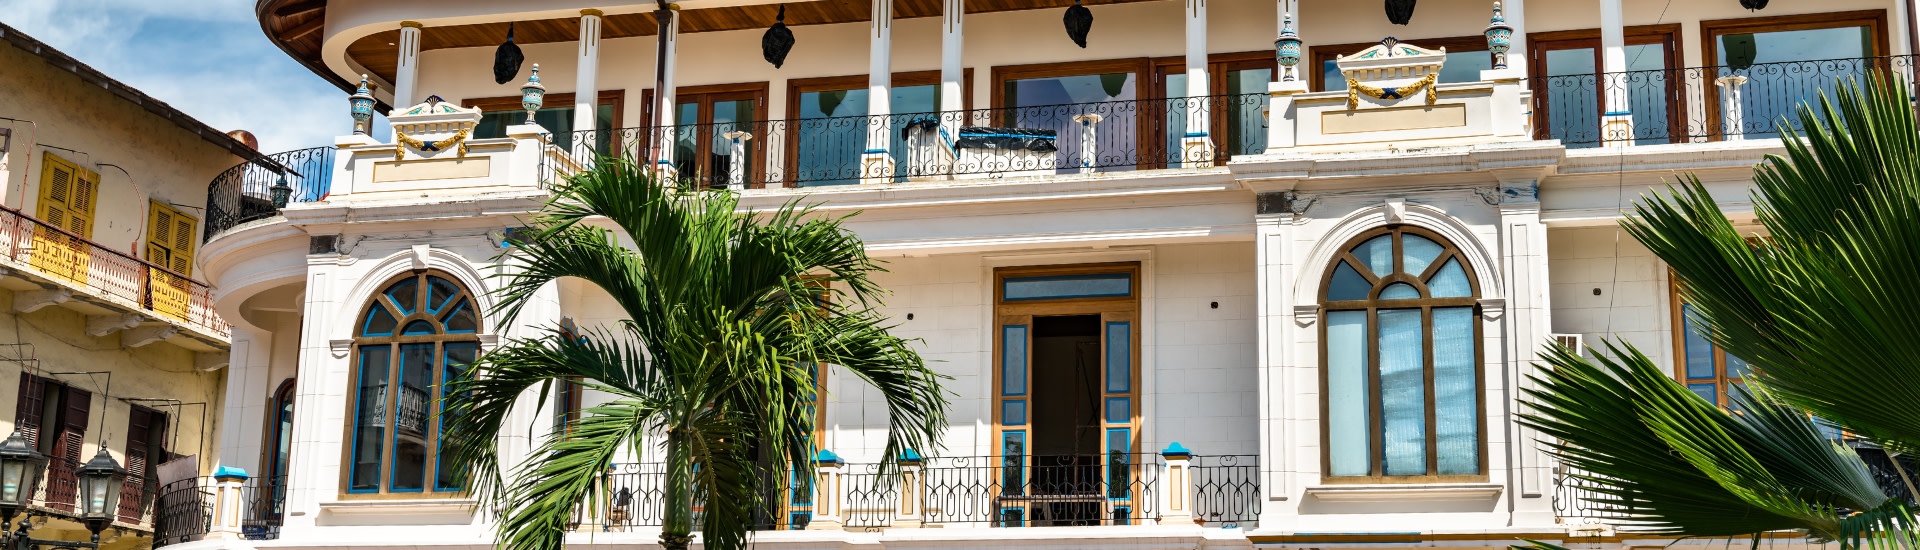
{"x":1005,"y":332}
{"x":439,"y":442}
{"x":1126,"y":352}
{"x":359,"y":376}
{"x":367,"y":322}
{"x":437,"y":365}
{"x":393,"y":419}
{"x":1128,"y":277}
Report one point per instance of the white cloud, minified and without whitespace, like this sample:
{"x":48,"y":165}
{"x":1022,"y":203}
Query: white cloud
{"x":207,"y":58}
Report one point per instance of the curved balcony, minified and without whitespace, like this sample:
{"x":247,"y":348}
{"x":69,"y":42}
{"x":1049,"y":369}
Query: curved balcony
{"x":257,"y":189}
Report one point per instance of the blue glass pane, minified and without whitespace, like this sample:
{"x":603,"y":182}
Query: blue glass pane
{"x":1119,"y":463}
{"x":410,"y":414}
{"x":1451,"y":281}
{"x":458,"y":361}
{"x":370,"y":419}
{"x":1705,"y":391}
{"x":418,"y":328}
{"x":378,"y":322}
{"x":1377,"y":253}
{"x":1400,"y":291}
{"x":1737,"y":367}
{"x":1119,"y":358}
{"x":1013,"y":412}
{"x":1013,"y":471}
{"x":1699,"y":352}
{"x":405,"y":294}
{"x":439,"y":291}
{"x":1348,"y":433}
{"x":1416,"y":253}
{"x":1347,"y":284}
{"x":1013,"y":360}
{"x":1074,"y":286}
{"x":1119,"y":410}
{"x":1456,"y":401}
{"x":461,"y":319}
{"x":1403,"y":392}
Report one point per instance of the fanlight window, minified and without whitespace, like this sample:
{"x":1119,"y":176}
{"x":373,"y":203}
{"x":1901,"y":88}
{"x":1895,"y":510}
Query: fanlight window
{"x":1402,"y":363}
{"x":416,"y":336}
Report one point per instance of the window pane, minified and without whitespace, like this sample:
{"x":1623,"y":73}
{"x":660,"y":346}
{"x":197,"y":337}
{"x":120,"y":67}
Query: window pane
{"x":410,"y":427}
{"x":1119,"y":410}
{"x":1377,"y":253}
{"x":1348,"y":432}
{"x":1347,"y":284}
{"x":370,"y":419}
{"x":1739,"y":50}
{"x":1013,"y":451}
{"x":418,"y":328}
{"x":438,"y":292}
{"x":1573,"y":97}
{"x":1400,"y":291}
{"x":1736,"y":367}
{"x":1051,"y":104}
{"x":1705,"y":391}
{"x":1416,"y":253}
{"x":1119,"y":469}
{"x":1464,"y":66}
{"x":1646,"y":86}
{"x":1013,"y":360}
{"x":1075,"y":286}
{"x":405,"y":294}
{"x":1119,"y":357}
{"x":1773,"y":91}
{"x":462,"y":319}
{"x":1013,"y":412}
{"x":1699,"y":353}
{"x":1451,"y":281}
{"x":831,"y":141}
{"x":1246,"y":121}
{"x":379,"y":322}
{"x":1403,"y":392}
{"x":459,"y":359}
{"x":1456,"y":401}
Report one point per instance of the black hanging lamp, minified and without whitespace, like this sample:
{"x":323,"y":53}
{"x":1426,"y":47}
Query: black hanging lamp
{"x":1079,"y":20}
{"x":1399,"y":12}
{"x":506,"y":59}
{"x":778,"y":41}
{"x":1754,"y":5}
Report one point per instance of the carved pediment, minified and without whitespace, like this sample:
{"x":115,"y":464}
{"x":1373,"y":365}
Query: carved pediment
{"x":1391,"y":63}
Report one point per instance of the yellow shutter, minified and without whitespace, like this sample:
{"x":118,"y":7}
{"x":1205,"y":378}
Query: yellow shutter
{"x":66,"y":201}
{"x":170,"y":245}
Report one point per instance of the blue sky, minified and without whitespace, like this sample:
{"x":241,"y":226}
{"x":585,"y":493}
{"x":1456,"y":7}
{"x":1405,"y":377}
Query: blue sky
{"x":207,"y":58}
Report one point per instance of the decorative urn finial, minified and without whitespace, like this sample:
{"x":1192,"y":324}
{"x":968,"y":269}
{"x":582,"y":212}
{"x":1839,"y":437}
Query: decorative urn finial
{"x":360,"y":105}
{"x":1499,"y":37}
{"x":533,"y":93}
{"x":1287,"y":49}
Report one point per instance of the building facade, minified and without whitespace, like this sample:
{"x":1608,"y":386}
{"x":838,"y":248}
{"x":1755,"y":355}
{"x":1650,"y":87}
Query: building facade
{"x":1194,"y":286}
{"x":113,"y":344}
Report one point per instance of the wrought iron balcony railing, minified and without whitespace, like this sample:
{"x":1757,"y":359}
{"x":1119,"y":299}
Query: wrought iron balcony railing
{"x":981,"y":143}
{"x":57,"y":253}
{"x":258,"y":188}
{"x":1693,"y":104}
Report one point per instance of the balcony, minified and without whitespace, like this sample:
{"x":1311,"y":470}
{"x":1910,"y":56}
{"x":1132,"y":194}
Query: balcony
{"x":61,"y":262}
{"x":58,"y":499}
{"x":184,"y":510}
{"x":259,"y":188}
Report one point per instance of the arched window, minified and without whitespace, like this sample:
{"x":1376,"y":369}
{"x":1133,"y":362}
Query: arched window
{"x":1401,"y":375}
{"x":414,"y":337}
{"x":279,"y":447}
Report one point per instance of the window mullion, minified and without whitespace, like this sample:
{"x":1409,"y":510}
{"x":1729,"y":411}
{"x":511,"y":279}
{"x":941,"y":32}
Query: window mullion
{"x":1376,"y":416}
{"x":1426,"y":375}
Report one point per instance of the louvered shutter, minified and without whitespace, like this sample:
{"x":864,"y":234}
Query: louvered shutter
{"x":80,"y":215}
{"x":145,"y":427}
{"x":27,"y":414}
{"x":62,"y":485}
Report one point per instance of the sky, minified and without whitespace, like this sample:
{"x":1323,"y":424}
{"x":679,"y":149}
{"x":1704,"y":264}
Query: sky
{"x":207,"y":58}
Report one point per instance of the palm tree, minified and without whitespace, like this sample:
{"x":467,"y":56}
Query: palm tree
{"x":726,"y":312}
{"x":1823,"y":308}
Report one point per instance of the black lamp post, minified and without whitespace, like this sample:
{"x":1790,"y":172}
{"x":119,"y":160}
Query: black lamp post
{"x":21,"y":468}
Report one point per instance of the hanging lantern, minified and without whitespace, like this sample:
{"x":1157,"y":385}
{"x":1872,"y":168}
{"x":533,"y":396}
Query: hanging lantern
{"x":1286,"y":50}
{"x":1399,"y":12}
{"x":100,"y":481}
{"x":533,"y":93}
{"x":1754,"y":5}
{"x":1499,"y":37}
{"x":20,"y":469}
{"x":778,"y":41}
{"x":1079,"y":20}
{"x":506,"y":59}
{"x":360,"y":105}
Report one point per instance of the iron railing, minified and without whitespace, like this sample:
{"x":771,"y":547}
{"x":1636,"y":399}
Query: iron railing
{"x":980,"y":143}
{"x":1058,"y":490}
{"x":260,"y":187}
{"x":1226,"y":490}
{"x":264,"y":506}
{"x":1693,"y":104}
{"x":61,"y":254}
{"x":184,"y":511}
{"x":59,"y":489}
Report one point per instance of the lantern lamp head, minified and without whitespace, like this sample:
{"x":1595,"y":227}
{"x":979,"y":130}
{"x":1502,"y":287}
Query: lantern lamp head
{"x":100,"y":481}
{"x":1286,"y":49}
{"x":533,"y":93}
{"x":1499,"y":37}
{"x":281,"y":192}
{"x":361,"y":104}
{"x":20,"y":469}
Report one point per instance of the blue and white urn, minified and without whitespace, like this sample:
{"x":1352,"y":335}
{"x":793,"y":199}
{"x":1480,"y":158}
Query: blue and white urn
{"x":533,"y":93}
{"x":1286,"y":49}
{"x":360,"y":105}
{"x":1499,"y":37}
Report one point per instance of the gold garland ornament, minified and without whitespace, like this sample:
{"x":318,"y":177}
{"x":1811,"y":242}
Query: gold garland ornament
{"x":400,"y":151}
{"x":1355,"y":88}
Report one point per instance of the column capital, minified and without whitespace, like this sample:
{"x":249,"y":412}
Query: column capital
{"x":411,"y":25}
{"x":592,"y":12}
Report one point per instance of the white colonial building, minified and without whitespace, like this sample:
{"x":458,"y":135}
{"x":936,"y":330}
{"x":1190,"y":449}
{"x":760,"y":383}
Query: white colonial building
{"x":1190,"y":292}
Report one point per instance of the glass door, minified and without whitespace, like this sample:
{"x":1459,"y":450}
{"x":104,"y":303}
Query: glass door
{"x":831,"y":127}
{"x":702,"y":153}
{"x":1572,"y":95}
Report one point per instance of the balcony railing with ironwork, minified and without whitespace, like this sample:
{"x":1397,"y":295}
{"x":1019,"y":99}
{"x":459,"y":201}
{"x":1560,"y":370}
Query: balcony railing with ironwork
{"x":1107,"y":136}
{"x":184,"y":511}
{"x":265,"y":503}
{"x":1693,"y":104}
{"x":59,"y":254}
{"x":260,"y":187}
{"x":59,"y":495}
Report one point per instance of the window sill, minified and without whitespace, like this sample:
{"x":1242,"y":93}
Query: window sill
{"x":395,"y":506}
{"x":1404,"y":492}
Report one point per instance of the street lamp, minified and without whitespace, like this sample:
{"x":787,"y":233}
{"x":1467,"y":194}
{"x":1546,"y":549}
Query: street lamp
{"x":20,"y":469}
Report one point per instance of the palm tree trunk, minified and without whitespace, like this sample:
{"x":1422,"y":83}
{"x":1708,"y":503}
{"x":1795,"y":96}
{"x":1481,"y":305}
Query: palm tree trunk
{"x":677,"y":528}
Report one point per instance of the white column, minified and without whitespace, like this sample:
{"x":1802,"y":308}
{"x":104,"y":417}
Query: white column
{"x":1197,"y":148}
{"x":586,"y":91}
{"x":1516,"y":14}
{"x":953,"y":91}
{"x":321,"y":403}
{"x":1525,"y":320}
{"x":664,"y":99}
{"x":407,"y":74}
{"x":1616,"y":121}
{"x":1281,"y":431}
{"x":245,"y":403}
{"x":876,"y":166}
{"x":1734,"y":128}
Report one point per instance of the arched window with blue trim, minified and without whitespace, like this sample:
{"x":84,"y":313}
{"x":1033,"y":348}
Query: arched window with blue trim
{"x":415,"y":336}
{"x":1401,"y":393}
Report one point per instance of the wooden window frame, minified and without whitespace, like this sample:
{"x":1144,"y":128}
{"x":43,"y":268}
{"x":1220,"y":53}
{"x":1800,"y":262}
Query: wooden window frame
{"x":1711,"y":30}
{"x":1218,"y":65}
{"x":709,"y":93}
{"x":1376,"y":443}
{"x":430,"y":461}
{"x":1720,"y":380}
{"x":270,"y":448}
{"x":1320,"y":55}
{"x":797,"y":86}
{"x":1538,"y":44}
{"x":1140,"y":67}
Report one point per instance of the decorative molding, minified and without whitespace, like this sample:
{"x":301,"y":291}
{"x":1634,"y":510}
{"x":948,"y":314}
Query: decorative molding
{"x":1404,"y":493}
{"x":209,"y":361}
{"x":144,"y":335}
{"x":29,"y":301}
{"x":420,"y":255}
{"x":340,"y":347}
{"x":102,"y":325}
{"x":1489,"y":195}
{"x":488,"y":342}
{"x":1395,"y":209}
{"x":1305,"y":315}
{"x":1493,"y":308}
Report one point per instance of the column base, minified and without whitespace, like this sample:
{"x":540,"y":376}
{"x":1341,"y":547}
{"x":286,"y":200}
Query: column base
{"x":876,"y":167}
{"x":1196,"y":151}
{"x":1616,"y":128}
{"x":824,"y":524}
